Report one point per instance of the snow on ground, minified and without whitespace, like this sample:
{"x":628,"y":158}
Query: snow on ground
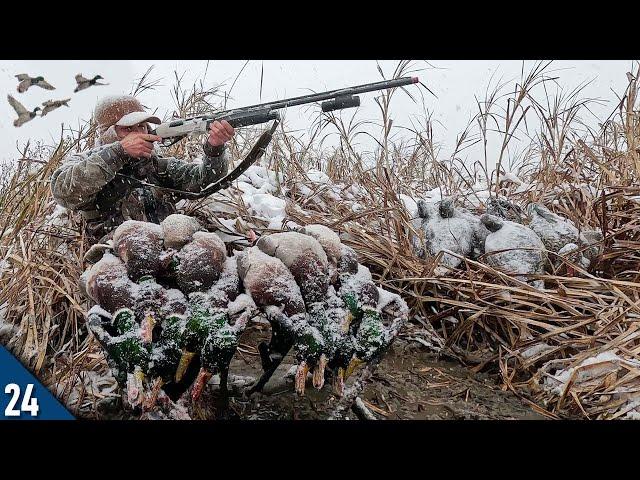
{"x":265,"y":205}
{"x":59,"y":217}
{"x":3,"y":312}
{"x":600,"y":365}
{"x":316,"y":176}
{"x":535,"y":350}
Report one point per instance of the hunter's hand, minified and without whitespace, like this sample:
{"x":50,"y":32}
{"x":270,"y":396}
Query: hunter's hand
{"x":220,"y":133}
{"x":139,"y":145}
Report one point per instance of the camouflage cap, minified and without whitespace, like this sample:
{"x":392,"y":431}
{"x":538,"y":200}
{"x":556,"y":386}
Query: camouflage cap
{"x":111,"y":110}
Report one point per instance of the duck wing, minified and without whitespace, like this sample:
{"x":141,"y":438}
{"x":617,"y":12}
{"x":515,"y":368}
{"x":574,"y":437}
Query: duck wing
{"x":17,"y":106}
{"x":23,"y":86}
{"x":80,"y":79}
{"x":46,"y":85}
{"x":22,"y":76}
{"x":49,"y":106}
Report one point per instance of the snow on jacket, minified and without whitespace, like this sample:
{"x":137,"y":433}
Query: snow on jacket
{"x":102,"y":184}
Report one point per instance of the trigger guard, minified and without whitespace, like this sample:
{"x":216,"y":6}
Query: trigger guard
{"x":169,"y":139}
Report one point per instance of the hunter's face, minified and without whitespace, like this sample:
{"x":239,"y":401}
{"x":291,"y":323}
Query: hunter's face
{"x":124,"y":131}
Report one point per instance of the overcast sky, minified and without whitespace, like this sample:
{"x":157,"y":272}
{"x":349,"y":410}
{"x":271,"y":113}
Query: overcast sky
{"x":454,"y":83}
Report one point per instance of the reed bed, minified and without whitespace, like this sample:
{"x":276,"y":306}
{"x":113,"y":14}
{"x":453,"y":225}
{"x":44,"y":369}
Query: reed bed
{"x":571,"y":349}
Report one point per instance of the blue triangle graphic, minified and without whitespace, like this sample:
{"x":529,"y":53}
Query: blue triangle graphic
{"x":14,"y":387}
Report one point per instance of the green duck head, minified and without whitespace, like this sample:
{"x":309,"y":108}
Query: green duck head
{"x":219,"y":348}
{"x":124,"y":321}
{"x":309,"y":343}
{"x":371,"y":335}
{"x":369,"y":342}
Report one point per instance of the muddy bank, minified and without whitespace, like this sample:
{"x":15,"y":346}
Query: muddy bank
{"x":409,"y":384}
{"x":412,"y":384}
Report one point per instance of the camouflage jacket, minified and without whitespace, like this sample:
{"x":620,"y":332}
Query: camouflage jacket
{"x":102,"y":184}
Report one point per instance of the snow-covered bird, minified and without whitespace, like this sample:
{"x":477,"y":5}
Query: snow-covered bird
{"x":26,"y":81}
{"x":86,"y":82}
{"x":515,"y":249}
{"x":24,"y":115}
{"x":51,"y":105}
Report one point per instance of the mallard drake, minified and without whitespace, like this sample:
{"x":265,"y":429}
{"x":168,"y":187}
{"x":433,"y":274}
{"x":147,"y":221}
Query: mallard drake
{"x":119,"y":335}
{"x":24,"y":115}
{"x":149,"y":305}
{"x":331,"y":244}
{"x":200,"y":322}
{"x":51,"y":105}
{"x":200,"y":262}
{"x":139,"y":246}
{"x":363,"y":321}
{"x":304,"y":257}
{"x":215,"y":356}
{"x":310,"y":352}
{"x":269,"y":282}
{"x":26,"y":81}
{"x":218,"y":348}
{"x":178,"y":230}
{"x":108,"y":285}
{"x":84,"y":83}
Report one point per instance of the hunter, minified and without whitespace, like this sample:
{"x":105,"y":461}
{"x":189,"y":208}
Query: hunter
{"x":101,"y":183}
